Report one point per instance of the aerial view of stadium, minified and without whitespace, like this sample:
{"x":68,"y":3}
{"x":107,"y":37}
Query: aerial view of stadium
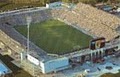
{"x":56,"y":37}
{"x":60,"y":38}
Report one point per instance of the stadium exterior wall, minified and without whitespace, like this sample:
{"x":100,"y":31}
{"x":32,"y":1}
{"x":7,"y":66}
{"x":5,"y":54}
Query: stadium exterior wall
{"x":51,"y":65}
{"x":55,"y":65}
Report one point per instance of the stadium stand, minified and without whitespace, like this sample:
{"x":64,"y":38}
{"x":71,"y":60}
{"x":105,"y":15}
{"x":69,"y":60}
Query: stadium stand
{"x":98,"y":15}
{"x":101,"y":24}
{"x":20,"y":19}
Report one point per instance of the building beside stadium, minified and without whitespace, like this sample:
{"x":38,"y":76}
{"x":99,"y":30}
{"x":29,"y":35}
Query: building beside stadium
{"x":103,"y":27}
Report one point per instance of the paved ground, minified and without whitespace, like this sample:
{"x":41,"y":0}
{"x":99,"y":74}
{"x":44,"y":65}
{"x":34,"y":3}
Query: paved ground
{"x":96,"y":70}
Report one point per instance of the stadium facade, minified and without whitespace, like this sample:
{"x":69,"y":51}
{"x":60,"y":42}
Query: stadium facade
{"x":103,"y":27}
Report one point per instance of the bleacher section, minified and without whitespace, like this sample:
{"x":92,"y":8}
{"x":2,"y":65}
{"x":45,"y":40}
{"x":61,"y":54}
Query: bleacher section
{"x":94,"y":21}
{"x":20,"y":19}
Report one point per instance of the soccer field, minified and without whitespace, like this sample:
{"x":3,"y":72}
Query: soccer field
{"x":55,"y":36}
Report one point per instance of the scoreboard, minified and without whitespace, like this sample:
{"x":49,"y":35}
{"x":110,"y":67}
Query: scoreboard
{"x":97,"y":43}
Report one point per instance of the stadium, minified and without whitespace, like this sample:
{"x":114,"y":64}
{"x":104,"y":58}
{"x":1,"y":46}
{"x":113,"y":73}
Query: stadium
{"x":59,"y":36}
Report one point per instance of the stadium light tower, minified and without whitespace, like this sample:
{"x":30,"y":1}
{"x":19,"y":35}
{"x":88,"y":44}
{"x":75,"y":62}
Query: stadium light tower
{"x":28,"y":19}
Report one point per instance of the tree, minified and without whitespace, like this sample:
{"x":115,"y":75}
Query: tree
{"x":66,"y":1}
{"x":88,"y":1}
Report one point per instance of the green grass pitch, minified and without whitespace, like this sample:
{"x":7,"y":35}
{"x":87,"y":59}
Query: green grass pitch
{"x":55,"y":36}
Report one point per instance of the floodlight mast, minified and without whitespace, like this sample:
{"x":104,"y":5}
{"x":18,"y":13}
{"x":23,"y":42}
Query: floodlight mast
{"x":29,"y":20}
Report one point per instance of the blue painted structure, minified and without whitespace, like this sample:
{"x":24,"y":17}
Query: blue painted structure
{"x":3,"y":69}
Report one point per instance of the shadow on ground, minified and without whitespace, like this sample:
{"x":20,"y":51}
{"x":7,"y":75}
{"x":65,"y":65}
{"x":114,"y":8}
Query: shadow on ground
{"x":16,"y":71}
